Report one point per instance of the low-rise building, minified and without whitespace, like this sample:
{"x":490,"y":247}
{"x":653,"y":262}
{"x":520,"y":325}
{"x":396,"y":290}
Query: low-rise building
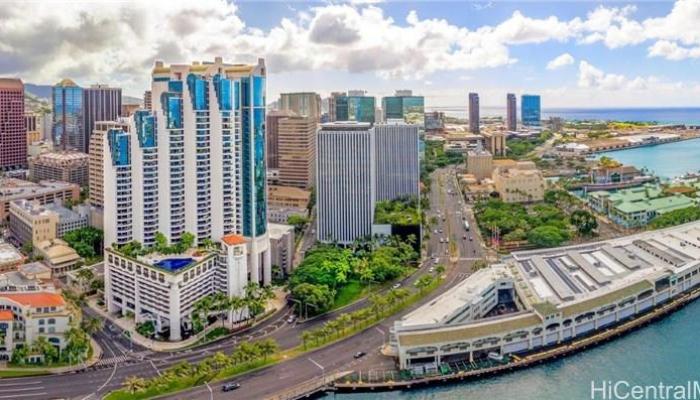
{"x":282,"y":246}
{"x":10,"y":257}
{"x":36,"y":148}
{"x":68,"y":166}
{"x":26,"y":316}
{"x":60,"y":257}
{"x":32,"y":277}
{"x":284,"y":201}
{"x":31,"y":222}
{"x":519,"y":183}
{"x":43,"y":191}
{"x":479,"y":163}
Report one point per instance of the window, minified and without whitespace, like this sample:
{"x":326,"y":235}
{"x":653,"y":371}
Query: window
{"x":41,"y":322}
{"x":52,"y":321}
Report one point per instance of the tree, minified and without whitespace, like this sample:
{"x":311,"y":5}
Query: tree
{"x":77,"y":345}
{"x":42,"y":346}
{"x":547,"y":236}
{"x":19,"y":355}
{"x":27,"y":248}
{"x":584,"y":221}
{"x":146,"y":329}
{"x":320,"y":297}
{"x":161,"y":242}
{"x":220,"y":360}
{"x":134,"y":384}
{"x":298,"y":222}
{"x":423,"y":282}
{"x":439,"y":269}
{"x":186,"y":241}
{"x":306,"y":336}
{"x":267,"y":348}
{"x":91,"y":325}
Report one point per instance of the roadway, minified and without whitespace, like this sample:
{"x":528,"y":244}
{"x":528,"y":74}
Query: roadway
{"x":122,"y":359}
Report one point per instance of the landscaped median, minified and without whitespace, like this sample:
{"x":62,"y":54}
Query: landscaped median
{"x":251,"y":356}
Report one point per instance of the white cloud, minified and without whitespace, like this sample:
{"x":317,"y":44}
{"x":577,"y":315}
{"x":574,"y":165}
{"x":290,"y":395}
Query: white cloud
{"x":590,"y":77}
{"x":672,"y":51}
{"x":560,"y":61}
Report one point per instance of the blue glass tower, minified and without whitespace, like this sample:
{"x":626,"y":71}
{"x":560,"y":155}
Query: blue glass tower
{"x":530,"y":110}
{"x":67,"y":127}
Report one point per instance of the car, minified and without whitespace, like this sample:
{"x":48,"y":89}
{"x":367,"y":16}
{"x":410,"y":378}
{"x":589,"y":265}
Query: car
{"x":471,"y":238}
{"x":230,"y":387}
{"x":440,"y":230}
{"x":431,"y":269}
{"x":464,"y":237}
{"x":436,"y":231}
{"x":436,"y":260}
{"x":396,"y":285}
{"x":291,"y":319}
{"x":359,"y":354}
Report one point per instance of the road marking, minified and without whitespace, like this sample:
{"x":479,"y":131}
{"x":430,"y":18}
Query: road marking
{"x":23,"y":389}
{"x":154,"y":367}
{"x":19,"y":383}
{"x":14,"y":396}
{"x":379,"y":330}
{"x":317,"y":364}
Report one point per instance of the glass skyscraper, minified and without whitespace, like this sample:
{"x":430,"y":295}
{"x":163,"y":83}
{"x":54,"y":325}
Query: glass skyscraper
{"x":530,"y":110}
{"x":67,"y":129}
{"x":411,"y":109}
{"x":355,"y":108}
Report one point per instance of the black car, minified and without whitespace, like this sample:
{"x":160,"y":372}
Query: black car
{"x":230,"y":386}
{"x":359,"y":354}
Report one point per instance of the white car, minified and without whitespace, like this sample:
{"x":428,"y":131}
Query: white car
{"x":396,"y":285}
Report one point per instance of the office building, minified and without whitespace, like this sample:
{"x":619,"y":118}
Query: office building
{"x":27,"y":315}
{"x":479,"y":163}
{"x":355,"y":108}
{"x":13,"y":134}
{"x":285,"y":201}
{"x":306,"y":104}
{"x":333,"y":104}
{"x":271,"y":136}
{"x":100,"y":103}
{"x":511,"y":113}
{"x":43,"y":191}
{"x":396,"y":154}
{"x":434,"y":121}
{"x":345,"y":184}
{"x":31,"y":222}
{"x":195,"y":163}
{"x":96,"y":158}
{"x":530,"y":110}
{"x":519,"y":183}
{"x":474,"y":113}
{"x":282,"y":247}
{"x":66,"y":166}
{"x":296,"y":151}
{"x":67,"y":113}
{"x":495,"y":142}
{"x":147,"y":102}
{"x":403,"y":105}
{"x":34,"y":123}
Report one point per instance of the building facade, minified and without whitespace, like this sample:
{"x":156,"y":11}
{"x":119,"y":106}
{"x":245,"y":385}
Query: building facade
{"x":511,"y":113}
{"x":355,"y":108}
{"x":44,"y":192}
{"x":333,"y":104}
{"x":67,"y":166}
{"x":13,"y":133}
{"x":296,"y":151}
{"x":530,"y":109}
{"x":282,"y":245}
{"x":479,"y":163}
{"x":474,"y":113}
{"x":100,"y":103}
{"x":344,"y":181}
{"x":404,"y":106}
{"x":305,"y":104}
{"x":396,"y":157}
{"x":195,"y":163}
{"x":495,"y":142}
{"x":285,"y":201}
{"x":67,"y":114}
{"x":521,"y":183}
{"x":96,"y":158}
{"x":31,"y":222}
{"x":272,"y":136}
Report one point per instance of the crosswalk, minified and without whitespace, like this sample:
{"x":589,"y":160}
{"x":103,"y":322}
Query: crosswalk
{"x":122,"y":359}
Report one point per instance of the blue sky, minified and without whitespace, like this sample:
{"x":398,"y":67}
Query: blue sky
{"x":608,"y":53}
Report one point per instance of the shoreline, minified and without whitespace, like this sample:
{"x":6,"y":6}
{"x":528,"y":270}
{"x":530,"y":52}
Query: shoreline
{"x":547,"y":355}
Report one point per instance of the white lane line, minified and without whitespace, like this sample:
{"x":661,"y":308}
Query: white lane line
{"x":19,"y":383}
{"x":317,"y":364}
{"x":23,"y":389}
{"x":154,"y":367}
{"x":379,"y":330}
{"x":23,"y":395}
{"x":114,"y":371}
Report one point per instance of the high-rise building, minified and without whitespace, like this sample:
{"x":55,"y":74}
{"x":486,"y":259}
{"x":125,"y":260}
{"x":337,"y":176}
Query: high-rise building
{"x":511,"y":112}
{"x":332,"y":104}
{"x":100,"y":103}
{"x":495,"y":142}
{"x":147,"y":102}
{"x":355,"y":108}
{"x":530,"y":109}
{"x":344,"y":181}
{"x":305,"y":104}
{"x":96,"y":154}
{"x":67,"y":166}
{"x":13,"y":134}
{"x":296,"y":151}
{"x":404,"y":106}
{"x":396,"y":157}
{"x":474,"y":113}
{"x":67,"y":106}
{"x":271,"y":135}
{"x":479,"y":163}
{"x":195,"y":163}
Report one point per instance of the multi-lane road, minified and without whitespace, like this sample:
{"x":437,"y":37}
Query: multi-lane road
{"x":121,"y":359}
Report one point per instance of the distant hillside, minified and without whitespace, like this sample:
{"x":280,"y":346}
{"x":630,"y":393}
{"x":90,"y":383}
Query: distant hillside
{"x":40,"y":91}
{"x":126,"y":100}
{"x":33,"y":103}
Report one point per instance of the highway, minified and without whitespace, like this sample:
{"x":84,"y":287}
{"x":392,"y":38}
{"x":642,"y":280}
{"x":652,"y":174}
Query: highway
{"x":121,"y":359}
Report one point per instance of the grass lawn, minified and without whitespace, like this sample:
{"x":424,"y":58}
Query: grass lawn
{"x":348,"y":293}
{"x":19,"y":373}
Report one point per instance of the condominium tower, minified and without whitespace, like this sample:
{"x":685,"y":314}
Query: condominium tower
{"x":511,"y":112}
{"x":13,"y":133}
{"x":530,"y":109}
{"x":396,"y":158}
{"x":195,"y":163}
{"x":474,"y":113}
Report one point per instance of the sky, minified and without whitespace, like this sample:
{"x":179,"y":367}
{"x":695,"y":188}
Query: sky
{"x":573,"y":53}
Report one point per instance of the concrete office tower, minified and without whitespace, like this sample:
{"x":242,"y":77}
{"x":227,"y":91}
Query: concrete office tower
{"x":100,"y":103}
{"x":67,"y":166}
{"x":296,"y":151}
{"x":404,"y":106}
{"x":474,"y":113}
{"x":13,"y":133}
{"x":344,"y":181}
{"x":396,"y":156}
{"x":195,"y":163}
{"x":306,"y":104}
{"x":96,"y":170}
{"x":511,"y":112}
{"x":147,"y":102}
{"x":479,"y":163}
{"x":67,"y":111}
{"x":530,"y":109}
{"x":355,"y":108}
{"x":271,"y":135}
{"x":495,"y":142}
{"x":332,"y":104}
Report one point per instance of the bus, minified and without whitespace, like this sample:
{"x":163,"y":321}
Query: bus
{"x":466,"y":225}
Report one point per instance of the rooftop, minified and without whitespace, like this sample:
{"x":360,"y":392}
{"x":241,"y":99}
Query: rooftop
{"x":278,"y":230}
{"x":42,"y":299}
{"x":289,"y":192}
{"x":11,"y":188}
{"x":233,"y":239}
{"x":9,"y":254}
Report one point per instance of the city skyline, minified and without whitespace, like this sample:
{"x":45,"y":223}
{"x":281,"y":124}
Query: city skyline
{"x":575,"y":55}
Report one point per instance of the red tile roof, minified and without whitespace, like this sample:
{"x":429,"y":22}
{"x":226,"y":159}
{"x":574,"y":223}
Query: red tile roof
{"x":36,"y":299}
{"x":233,"y":239}
{"x":5,"y":315}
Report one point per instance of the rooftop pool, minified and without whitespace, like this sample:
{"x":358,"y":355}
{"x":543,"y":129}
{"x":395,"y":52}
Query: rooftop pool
{"x":173,"y":264}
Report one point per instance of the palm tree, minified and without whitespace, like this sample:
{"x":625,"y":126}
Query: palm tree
{"x":85,"y":276}
{"x":306,"y":336}
{"x":91,"y":325}
{"x":182,"y":369}
{"x":220,"y":360}
{"x":267,"y":348}
{"x":134,"y":384}
{"x":41,"y":345}
{"x":220,"y":304}
{"x":344,"y":321}
{"x":236,"y":305}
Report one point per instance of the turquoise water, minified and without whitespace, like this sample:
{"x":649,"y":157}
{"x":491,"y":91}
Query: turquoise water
{"x":665,"y":351}
{"x":666,"y":160}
